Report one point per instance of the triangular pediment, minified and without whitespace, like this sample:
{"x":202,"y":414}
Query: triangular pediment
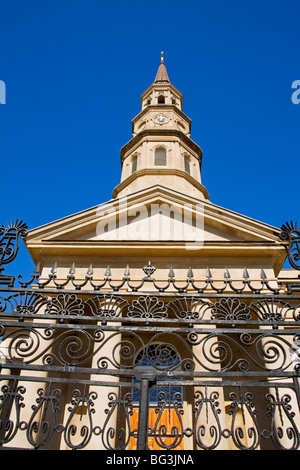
{"x":155,"y":214}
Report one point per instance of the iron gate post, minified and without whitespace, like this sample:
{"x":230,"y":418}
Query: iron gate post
{"x":296,"y":381}
{"x":143,"y":415}
{"x":145,"y":382}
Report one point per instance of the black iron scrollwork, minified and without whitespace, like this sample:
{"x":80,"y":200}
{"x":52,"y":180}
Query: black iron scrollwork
{"x":75,"y":351}
{"x":9,"y":247}
{"x":291,"y":233}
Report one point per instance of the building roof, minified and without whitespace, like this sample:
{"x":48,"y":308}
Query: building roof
{"x":162,"y":75}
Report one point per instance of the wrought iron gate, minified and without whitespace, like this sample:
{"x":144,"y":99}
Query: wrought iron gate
{"x":92,"y":364}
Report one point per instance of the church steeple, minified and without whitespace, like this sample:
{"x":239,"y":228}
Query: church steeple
{"x":161,"y":151}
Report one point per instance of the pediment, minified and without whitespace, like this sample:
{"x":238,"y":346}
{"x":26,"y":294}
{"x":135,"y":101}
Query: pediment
{"x":155,"y":214}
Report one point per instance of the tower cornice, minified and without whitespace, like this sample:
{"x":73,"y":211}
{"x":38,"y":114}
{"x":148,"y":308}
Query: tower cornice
{"x":135,"y":141}
{"x":156,"y":172}
{"x":159,"y":108}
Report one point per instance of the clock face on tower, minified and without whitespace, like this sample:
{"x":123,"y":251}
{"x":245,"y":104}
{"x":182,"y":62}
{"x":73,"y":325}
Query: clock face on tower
{"x":161,"y":119}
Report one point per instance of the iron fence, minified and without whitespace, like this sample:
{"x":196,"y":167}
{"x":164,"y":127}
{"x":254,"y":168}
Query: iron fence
{"x":118,"y":365}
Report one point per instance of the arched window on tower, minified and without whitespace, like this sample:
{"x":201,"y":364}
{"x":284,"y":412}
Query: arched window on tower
{"x":161,"y":99}
{"x":160,"y":158}
{"x":134,"y":164}
{"x":187,"y":165}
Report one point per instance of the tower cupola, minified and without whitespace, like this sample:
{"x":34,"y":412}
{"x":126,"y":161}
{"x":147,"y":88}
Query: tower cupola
{"x":161,"y":91}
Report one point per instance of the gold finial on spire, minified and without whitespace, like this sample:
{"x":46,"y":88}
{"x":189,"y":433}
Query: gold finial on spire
{"x":161,"y":56}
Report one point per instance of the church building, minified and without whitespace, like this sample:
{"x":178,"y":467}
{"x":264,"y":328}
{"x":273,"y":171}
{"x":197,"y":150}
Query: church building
{"x":158,"y":320}
{"x":160,"y":210}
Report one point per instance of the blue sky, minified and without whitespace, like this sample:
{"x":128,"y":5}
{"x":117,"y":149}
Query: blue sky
{"x":74,"y":72}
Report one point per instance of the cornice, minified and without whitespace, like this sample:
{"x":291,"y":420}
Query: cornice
{"x":253,"y":252}
{"x":162,"y":85}
{"x":159,"y":171}
{"x":161,"y":132}
{"x":161,"y":107}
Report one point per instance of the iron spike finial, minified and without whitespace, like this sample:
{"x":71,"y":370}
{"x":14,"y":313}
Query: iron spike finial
{"x":37,"y":268}
{"x":190,"y":274}
{"x":72,"y":269}
{"x":263,"y":274}
{"x":127,"y":271}
{"x":227,"y":274}
{"x":246,"y":274}
{"x":107,"y":272}
{"x":90,"y":270}
{"x":208,"y":273}
{"x":171,"y":274}
{"x":54,"y":268}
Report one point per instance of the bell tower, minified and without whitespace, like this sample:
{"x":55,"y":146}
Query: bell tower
{"x":161,"y":150}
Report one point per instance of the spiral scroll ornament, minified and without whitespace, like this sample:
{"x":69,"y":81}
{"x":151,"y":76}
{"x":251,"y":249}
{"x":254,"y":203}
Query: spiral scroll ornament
{"x":9,"y":247}
{"x":291,"y":233}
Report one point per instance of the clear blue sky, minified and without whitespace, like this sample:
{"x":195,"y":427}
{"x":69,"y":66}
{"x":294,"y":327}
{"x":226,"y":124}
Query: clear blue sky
{"x":74,"y":72}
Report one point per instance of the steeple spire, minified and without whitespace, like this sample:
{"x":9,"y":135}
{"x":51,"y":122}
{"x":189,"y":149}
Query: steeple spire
{"x":162,"y":75}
